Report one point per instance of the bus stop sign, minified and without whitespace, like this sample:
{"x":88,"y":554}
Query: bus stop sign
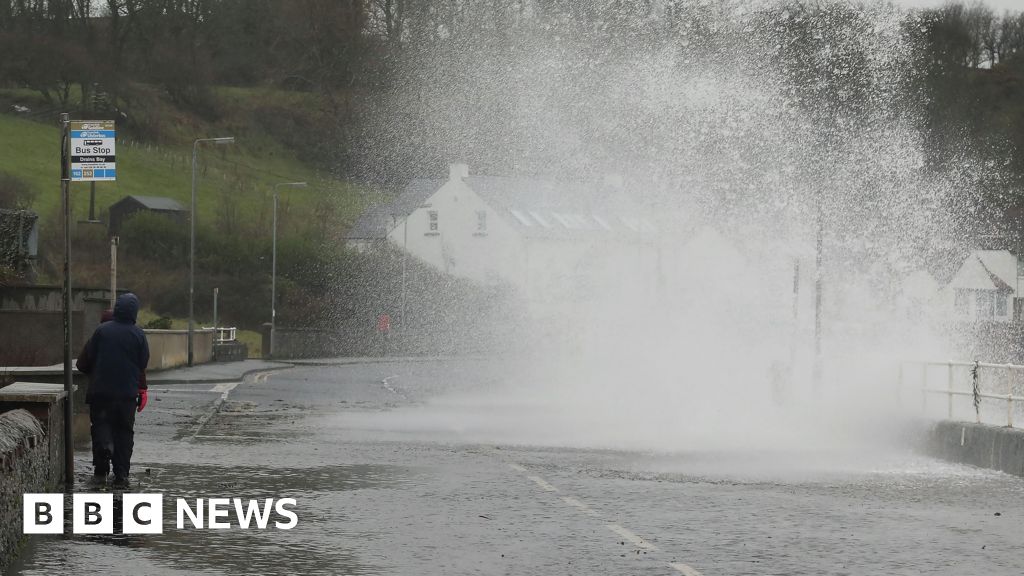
{"x":92,"y":150}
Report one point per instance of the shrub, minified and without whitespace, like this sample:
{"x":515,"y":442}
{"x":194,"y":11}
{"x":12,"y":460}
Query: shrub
{"x":161,"y":323}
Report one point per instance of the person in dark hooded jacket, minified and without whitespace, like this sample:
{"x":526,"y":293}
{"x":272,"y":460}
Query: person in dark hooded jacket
{"x":115,"y":358}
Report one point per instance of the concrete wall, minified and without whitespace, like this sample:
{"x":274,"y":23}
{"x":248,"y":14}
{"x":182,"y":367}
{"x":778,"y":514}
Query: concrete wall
{"x":36,"y":338}
{"x":982,"y":445}
{"x":169,"y":348}
{"x":25,"y":467}
{"x":33,"y":323}
{"x":47,"y":297}
{"x":305,"y":343}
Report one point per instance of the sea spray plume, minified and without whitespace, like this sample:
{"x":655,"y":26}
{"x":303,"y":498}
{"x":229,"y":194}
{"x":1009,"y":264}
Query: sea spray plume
{"x":742,"y":130}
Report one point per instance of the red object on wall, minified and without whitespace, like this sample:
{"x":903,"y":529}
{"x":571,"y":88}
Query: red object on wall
{"x":383,"y":323}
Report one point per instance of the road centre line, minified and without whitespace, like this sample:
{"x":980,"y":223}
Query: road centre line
{"x":631,"y":536}
{"x":577,"y":504}
{"x":685,"y":569}
{"x":542,"y":483}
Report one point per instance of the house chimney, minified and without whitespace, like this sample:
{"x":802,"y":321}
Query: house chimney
{"x":458,"y":171}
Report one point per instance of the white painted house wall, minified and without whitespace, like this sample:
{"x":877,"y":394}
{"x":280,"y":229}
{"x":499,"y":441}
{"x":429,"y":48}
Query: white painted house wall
{"x":489,"y":252}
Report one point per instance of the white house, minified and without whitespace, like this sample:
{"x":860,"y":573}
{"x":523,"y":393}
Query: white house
{"x":985,"y":287}
{"x":555,"y":242}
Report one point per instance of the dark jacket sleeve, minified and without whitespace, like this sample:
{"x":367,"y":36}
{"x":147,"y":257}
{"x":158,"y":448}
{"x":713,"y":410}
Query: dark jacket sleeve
{"x":85,"y":357}
{"x":143,"y":362}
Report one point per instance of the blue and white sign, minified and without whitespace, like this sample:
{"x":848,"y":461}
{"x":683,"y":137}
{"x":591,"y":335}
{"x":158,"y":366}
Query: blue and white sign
{"x":92,"y":150}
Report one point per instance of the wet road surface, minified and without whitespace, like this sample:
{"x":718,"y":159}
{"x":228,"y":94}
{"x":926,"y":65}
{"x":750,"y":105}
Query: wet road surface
{"x":386,"y":482}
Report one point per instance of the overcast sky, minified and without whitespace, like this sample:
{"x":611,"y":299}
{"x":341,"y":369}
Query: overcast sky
{"x":998,"y":5}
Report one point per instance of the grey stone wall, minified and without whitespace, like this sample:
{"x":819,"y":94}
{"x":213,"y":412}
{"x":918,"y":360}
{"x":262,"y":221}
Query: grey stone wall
{"x":982,"y":445}
{"x":24,"y":467}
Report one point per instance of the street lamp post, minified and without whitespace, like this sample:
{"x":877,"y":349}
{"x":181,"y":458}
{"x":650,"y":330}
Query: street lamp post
{"x":192,"y":243}
{"x":273,"y":264}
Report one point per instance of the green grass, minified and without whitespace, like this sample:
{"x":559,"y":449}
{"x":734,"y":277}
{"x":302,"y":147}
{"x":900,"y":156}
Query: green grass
{"x":228,"y":174}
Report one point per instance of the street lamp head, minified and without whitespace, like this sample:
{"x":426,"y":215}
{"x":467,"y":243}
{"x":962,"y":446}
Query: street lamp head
{"x":225,"y":140}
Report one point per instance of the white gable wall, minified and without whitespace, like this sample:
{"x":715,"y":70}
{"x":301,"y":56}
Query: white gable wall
{"x":972,"y":295}
{"x":459,"y":246}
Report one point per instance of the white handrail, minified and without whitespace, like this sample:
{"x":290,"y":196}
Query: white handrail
{"x":223,"y":335}
{"x":976,"y":392}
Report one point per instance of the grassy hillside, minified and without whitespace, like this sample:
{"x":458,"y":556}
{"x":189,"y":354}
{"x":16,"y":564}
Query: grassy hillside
{"x":279,"y":134}
{"x":235,"y":174}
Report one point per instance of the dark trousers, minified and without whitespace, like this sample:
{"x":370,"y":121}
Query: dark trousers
{"x":113,"y":435}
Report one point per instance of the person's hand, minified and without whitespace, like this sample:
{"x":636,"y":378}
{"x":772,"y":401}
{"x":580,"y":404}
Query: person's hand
{"x":143,"y":398}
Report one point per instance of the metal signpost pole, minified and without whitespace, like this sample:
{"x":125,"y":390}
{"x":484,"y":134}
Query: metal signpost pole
{"x":114,"y":271}
{"x":87,"y":154}
{"x":69,"y":412}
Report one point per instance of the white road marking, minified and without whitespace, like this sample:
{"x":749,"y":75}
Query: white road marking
{"x":543,"y":483}
{"x":685,"y":569}
{"x":387,"y":385}
{"x":516,"y":467}
{"x":632,"y":537}
{"x":224,"y":388}
{"x":577,"y":504}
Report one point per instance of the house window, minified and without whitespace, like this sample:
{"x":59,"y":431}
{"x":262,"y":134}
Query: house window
{"x":985,"y":304}
{"x":961,"y":302}
{"x":1000,"y":305}
{"x":481,"y":221}
{"x":433,"y":220}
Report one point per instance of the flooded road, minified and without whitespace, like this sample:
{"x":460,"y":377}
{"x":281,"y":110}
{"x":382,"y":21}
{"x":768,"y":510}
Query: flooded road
{"x":388,"y":482}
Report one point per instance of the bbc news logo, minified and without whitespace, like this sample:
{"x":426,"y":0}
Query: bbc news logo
{"x":144,"y":513}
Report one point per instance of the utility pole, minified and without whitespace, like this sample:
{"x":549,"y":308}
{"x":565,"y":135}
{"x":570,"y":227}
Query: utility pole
{"x":818,"y":248}
{"x":273,"y":264}
{"x":405,"y":257}
{"x":192,"y":244}
{"x":69,"y":390}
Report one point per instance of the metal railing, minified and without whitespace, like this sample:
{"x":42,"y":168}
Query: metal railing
{"x":223,"y":335}
{"x":984,"y":381}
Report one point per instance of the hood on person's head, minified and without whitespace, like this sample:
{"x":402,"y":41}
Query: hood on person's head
{"x":126,"y":309}
{"x":106,"y":316}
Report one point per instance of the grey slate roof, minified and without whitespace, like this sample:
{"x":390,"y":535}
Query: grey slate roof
{"x":536,"y":208}
{"x":377,"y":220}
{"x":560,"y":210}
{"x":157,"y":203}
